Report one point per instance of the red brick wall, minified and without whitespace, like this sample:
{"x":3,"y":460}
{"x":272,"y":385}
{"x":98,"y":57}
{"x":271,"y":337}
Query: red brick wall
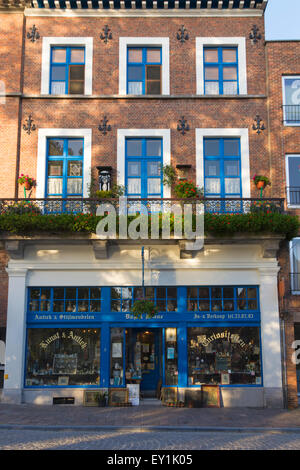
{"x":182,"y":56}
{"x":283,"y":58}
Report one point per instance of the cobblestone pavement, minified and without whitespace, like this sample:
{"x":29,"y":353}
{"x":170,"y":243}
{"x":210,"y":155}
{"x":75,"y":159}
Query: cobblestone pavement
{"x":70,"y":415}
{"x":131,"y":440}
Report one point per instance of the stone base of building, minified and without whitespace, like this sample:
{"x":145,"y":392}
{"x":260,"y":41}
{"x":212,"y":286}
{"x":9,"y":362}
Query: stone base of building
{"x":233,"y":397}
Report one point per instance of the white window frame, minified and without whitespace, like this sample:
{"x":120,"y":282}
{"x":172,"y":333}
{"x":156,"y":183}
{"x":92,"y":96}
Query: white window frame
{"x":239,"y":42}
{"x":165,"y":134}
{"x":296,"y":77}
{"x":294,"y":292}
{"x":288,"y":180}
{"x":43,"y":134}
{"x":125,"y":42}
{"x":48,"y":42}
{"x":240,"y":133}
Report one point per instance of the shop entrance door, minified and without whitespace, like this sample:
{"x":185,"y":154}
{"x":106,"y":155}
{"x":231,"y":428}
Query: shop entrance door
{"x":149,"y":341}
{"x":143,"y":359}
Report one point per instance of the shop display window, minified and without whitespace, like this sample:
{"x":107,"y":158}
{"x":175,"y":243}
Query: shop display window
{"x":171,"y":357}
{"x":224,"y":355}
{"x":63,"y":357}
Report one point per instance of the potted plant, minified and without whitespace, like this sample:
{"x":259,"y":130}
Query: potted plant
{"x":101,"y":398}
{"x":261,"y":181}
{"x":27,"y":181}
{"x":187,"y":189}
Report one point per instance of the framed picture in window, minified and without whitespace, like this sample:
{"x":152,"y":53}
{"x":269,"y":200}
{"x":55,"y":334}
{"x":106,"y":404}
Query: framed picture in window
{"x":63,"y":380}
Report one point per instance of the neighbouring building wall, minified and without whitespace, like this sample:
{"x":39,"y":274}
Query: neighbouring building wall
{"x":283,"y":60}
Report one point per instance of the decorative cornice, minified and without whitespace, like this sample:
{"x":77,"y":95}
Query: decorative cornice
{"x":153,"y":13}
{"x":219,"y":5}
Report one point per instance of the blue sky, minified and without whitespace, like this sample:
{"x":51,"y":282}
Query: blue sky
{"x":282,"y":19}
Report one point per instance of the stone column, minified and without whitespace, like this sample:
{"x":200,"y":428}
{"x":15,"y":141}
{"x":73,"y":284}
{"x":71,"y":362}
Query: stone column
{"x":15,"y":336}
{"x":270,"y":337}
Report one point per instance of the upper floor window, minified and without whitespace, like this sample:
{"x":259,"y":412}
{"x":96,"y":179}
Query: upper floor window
{"x":67,"y":65}
{"x":291,"y":100}
{"x":143,"y":167}
{"x":293,"y":179}
{"x":221,"y":66}
{"x":221,"y":71}
{"x":67,"y":70}
{"x":144,"y":71}
{"x":64,"y":168}
{"x":295,"y":265}
{"x":222,"y":167}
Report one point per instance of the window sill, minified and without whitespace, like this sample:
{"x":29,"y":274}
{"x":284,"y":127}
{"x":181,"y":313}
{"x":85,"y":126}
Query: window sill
{"x":141,"y":97}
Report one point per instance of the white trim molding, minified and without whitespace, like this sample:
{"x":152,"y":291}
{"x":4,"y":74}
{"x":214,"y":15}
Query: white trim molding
{"x":86,"y":134}
{"x":240,"y":133}
{"x":165,"y":134}
{"x":239,"y":42}
{"x":67,"y":41}
{"x":124,"y":42}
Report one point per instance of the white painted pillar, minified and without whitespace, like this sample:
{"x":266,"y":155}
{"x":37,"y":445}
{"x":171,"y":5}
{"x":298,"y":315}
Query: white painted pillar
{"x":15,"y":336}
{"x":270,"y":337}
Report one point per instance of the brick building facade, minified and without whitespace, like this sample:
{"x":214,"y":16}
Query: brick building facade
{"x":283,"y":58}
{"x":249,"y":115}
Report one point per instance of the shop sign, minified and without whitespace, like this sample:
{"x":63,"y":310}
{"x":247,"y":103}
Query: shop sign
{"x":63,"y":335}
{"x":61,"y":317}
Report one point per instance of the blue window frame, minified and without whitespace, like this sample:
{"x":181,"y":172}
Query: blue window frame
{"x":64,"y":167}
{"x":221,"y":71}
{"x":122,"y":298}
{"x":64,"y":299}
{"x":222,"y":299}
{"x":144,"y":70}
{"x":67,"y":70}
{"x":222,"y":168}
{"x":143,"y":158}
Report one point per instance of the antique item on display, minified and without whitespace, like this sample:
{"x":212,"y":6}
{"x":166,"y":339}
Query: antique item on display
{"x":211,"y":396}
{"x":118,"y":396}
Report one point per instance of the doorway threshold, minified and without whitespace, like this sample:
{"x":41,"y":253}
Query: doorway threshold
{"x":150,"y":402}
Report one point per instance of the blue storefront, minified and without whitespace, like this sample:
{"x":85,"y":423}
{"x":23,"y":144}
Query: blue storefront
{"x":87,"y":337}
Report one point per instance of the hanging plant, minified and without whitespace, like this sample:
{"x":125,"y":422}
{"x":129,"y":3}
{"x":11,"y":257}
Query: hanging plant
{"x":261,"y":181}
{"x":27,"y":181}
{"x":146,"y":307}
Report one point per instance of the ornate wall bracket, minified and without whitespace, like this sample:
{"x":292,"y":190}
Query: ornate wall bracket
{"x":258,"y":127}
{"x":106,"y":35}
{"x":103,"y":126}
{"x":183,"y":126}
{"x":254,"y":35}
{"x":182,"y":34}
{"x":34,"y":35}
{"x":29,"y":126}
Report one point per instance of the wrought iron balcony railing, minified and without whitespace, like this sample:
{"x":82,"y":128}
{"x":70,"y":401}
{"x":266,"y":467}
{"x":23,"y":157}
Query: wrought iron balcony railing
{"x":291,"y":114}
{"x":131,"y":205}
{"x":293,"y":195}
